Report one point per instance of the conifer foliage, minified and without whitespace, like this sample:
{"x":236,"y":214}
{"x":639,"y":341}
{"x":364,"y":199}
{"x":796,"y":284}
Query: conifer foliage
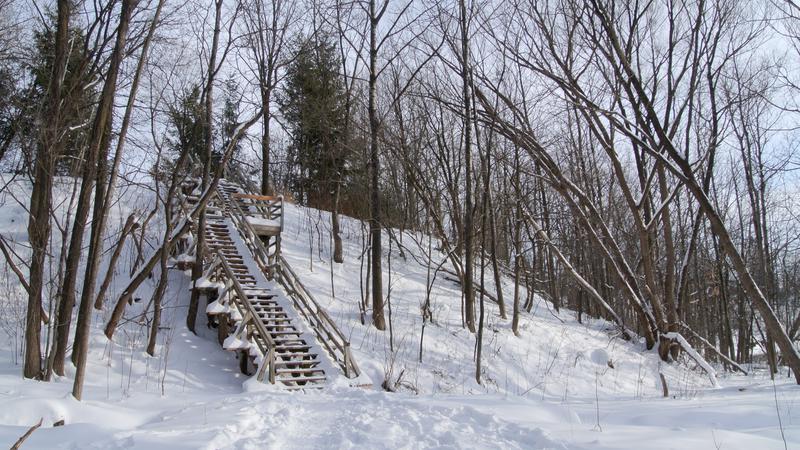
{"x":313,"y":105}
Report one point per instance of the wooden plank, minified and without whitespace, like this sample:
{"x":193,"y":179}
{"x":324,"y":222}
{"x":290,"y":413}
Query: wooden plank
{"x":265,"y":198}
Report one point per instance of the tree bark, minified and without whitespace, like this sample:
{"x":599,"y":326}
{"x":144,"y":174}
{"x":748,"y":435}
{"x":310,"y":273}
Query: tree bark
{"x":375,"y":225}
{"x":98,"y":140}
{"x":39,"y":222}
{"x":469,"y":293}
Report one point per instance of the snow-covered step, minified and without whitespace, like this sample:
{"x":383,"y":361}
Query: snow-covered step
{"x":297,"y":363}
{"x":296,"y":355}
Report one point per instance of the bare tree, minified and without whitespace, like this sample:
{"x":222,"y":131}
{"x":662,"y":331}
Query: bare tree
{"x":267,"y":24}
{"x":98,"y":140}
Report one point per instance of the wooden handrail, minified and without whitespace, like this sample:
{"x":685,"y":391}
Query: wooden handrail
{"x":265,"y":198}
{"x":324,"y":327}
{"x":291,"y":282}
{"x":248,"y":233}
{"x":246,"y":310}
{"x":273,"y":209}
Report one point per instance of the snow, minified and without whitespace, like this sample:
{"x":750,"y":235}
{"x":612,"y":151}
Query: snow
{"x":262,"y":222}
{"x":205,"y":283}
{"x":234,"y":343}
{"x":552,"y":387}
{"x":216,"y":307}
{"x":712,"y":374}
{"x":600,"y":357}
{"x":184,"y":258}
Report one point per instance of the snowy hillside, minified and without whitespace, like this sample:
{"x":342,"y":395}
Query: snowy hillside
{"x":560,"y":384}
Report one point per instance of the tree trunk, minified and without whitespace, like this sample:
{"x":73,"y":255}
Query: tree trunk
{"x":112,"y":264}
{"x":39,"y":222}
{"x":99,"y":136}
{"x":684,"y":169}
{"x":96,"y":245}
{"x":337,"y":238}
{"x":208,"y":93}
{"x":469,"y":293}
{"x":266,"y":183}
{"x":375,"y":225}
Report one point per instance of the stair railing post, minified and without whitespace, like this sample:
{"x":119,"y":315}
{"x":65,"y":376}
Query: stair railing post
{"x":347,"y":359}
{"x":271,"y":356}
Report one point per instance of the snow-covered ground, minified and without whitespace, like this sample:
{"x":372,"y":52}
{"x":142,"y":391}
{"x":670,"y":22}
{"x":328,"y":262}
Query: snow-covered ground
{"x":552,"y":387}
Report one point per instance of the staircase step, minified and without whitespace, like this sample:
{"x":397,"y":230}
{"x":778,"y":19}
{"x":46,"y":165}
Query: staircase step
{"x":311,"y":386}
{"x":297,"y":371}
{"x":296,"y":355}
{"x":221,"y":246}
{"x":266,"y":295}
{"x":266,"y":306}
{"x":276,"y":327}
{"x":271,"y":316}
{"x":309,"y":364}
{"x":284,"y":333}
{"x":302,"y":380}
{"x":283,"y":341}
{"x":292,"y":347}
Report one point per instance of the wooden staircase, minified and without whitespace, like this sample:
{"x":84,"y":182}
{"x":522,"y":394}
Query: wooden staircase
{"x":276,"y":327}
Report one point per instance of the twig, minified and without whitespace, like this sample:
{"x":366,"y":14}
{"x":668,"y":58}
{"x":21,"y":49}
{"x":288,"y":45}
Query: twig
{"x":26,"y":435}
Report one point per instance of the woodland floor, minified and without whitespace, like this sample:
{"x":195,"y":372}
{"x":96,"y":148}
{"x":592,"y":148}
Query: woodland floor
{"x":552,"y":387}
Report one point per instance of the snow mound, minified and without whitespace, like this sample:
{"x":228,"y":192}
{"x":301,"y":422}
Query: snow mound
{"x":600,"y":357}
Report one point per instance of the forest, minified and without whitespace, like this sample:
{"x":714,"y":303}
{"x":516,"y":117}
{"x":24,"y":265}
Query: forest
{"x":631,"y":163}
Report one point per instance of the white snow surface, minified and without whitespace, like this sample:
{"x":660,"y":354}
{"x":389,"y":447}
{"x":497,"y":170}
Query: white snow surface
{"x":559,"y":385}
{"x":262,"y":222}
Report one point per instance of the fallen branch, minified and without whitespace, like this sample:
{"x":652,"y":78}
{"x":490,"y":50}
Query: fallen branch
{"x":584,"y":284}
{"x":714,"y":349}
{"x":452,"y":276}
{"x":680,"y":340}
{"x":10,"y":261}
{"x":26,"y":435}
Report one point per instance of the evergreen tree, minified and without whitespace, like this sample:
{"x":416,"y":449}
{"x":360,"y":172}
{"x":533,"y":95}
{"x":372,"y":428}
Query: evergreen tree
{"x":9,"y":108}
{"x":79,"y":96}
{"x":188,"y":129}
{"x":313,"y":105}
{"x":230,"y":118}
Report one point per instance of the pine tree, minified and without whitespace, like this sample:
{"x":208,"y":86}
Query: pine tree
{"x":313,"y":105}
{"x":188,"y":130}
{"x":78,"y":93}
{"x":230,"y":118}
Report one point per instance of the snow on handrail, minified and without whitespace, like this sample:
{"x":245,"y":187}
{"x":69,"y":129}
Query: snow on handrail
{"x":250,"y":316}
{"x":324,"y":327}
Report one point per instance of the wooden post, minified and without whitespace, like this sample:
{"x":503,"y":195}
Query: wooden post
{"x":347,"y":370}
{"x":222,"y":329}
{"x":244,"y":356}
{"x":271,"y":362}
